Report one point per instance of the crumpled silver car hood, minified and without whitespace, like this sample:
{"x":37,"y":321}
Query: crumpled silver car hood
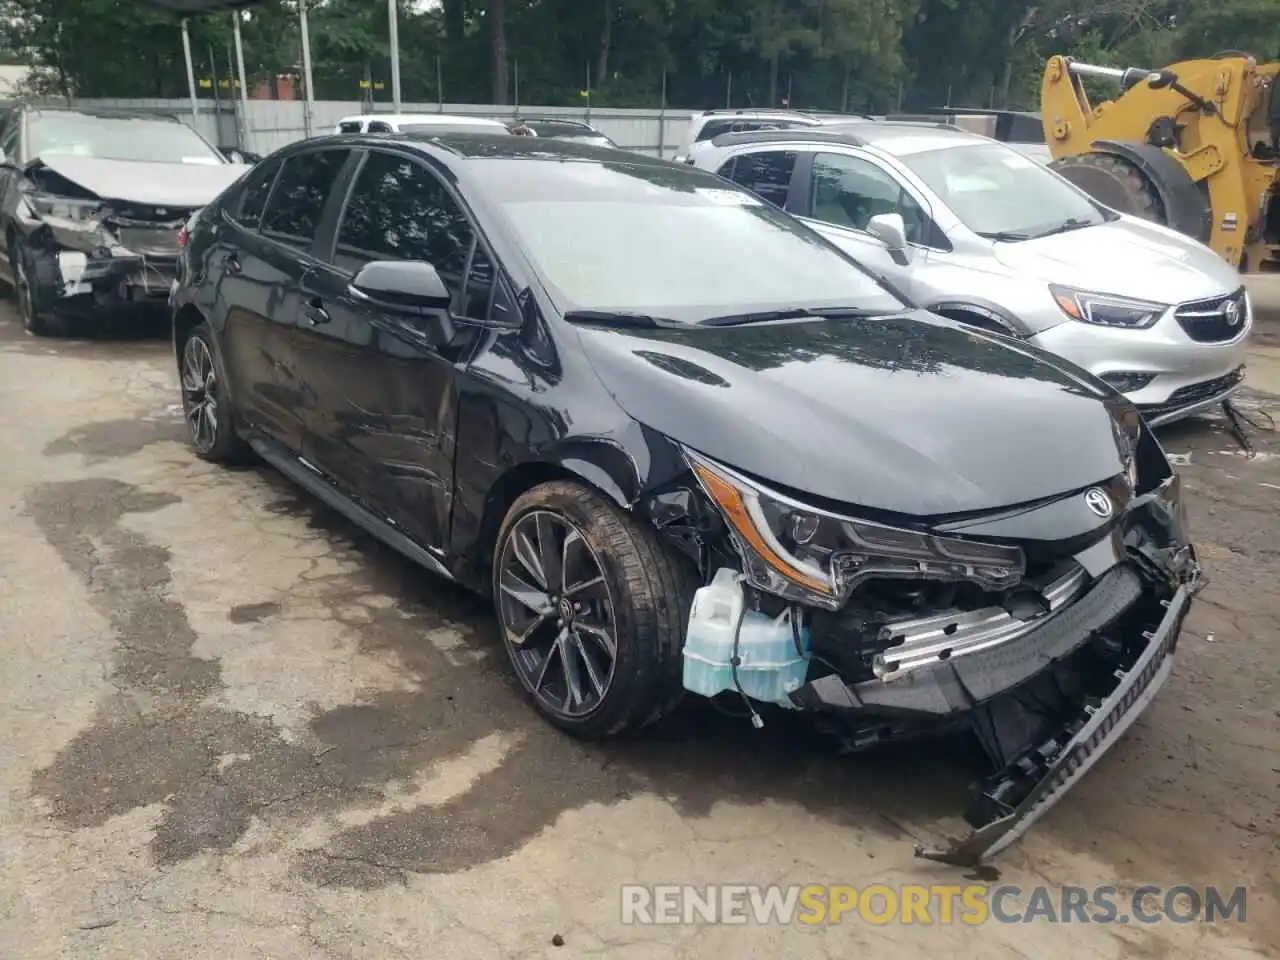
{"x":182,"y":185}
{"x":1127,"y":257}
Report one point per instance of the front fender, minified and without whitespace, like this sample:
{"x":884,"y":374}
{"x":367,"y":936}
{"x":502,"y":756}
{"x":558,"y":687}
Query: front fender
{"x":991,"y":312}
{"x":622,"y":468}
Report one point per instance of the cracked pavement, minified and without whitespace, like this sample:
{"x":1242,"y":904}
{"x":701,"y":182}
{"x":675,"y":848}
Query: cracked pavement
{"x":237,"y":727}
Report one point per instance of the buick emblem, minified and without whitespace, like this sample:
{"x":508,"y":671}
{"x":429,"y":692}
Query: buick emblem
{"x":1096,"y":499}
{"x":1231,"y":313}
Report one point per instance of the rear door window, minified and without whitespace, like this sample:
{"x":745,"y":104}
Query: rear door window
{"x":377,"y":126}
{"x":297,"y":202}
{"x":349,"y":126}
{"x":247,"y":211}
{"x":767,"y":174}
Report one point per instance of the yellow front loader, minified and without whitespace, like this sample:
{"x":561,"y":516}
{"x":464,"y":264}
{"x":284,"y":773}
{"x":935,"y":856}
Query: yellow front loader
{"x":1194,"y":146}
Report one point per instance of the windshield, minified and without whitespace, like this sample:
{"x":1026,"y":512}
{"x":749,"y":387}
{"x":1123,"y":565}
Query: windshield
{"x":117,"y":138}
{"x":670,"y":242}
{"x":997,"y":192}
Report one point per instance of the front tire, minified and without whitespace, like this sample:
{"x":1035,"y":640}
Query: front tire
{"x":206,"y":404}
{"x":593,"y":610}
{"x":37,"y":319}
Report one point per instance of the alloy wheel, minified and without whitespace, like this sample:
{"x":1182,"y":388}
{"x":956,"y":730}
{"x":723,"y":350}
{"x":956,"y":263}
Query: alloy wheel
{"x":22,"y":289}
{"x":199,"y":394}
{"x":557,"y":614}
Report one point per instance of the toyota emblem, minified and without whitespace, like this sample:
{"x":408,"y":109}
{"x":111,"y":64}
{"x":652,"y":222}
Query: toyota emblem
{"x":1096,"y":499}
{"x":1231,"y":313}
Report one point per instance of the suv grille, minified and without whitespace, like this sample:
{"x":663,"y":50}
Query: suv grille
{"x":1215,"y":320}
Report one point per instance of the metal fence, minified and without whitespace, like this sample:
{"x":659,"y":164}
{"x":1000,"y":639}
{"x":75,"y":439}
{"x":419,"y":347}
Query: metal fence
{"x":270,"y":124}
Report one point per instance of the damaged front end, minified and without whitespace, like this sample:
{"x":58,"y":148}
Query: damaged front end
{"x":1045,"y":629}
{"x":88,"y":253}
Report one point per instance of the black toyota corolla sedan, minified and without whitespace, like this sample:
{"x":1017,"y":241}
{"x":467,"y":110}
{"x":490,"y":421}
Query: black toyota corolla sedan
{"x":689,"y":446}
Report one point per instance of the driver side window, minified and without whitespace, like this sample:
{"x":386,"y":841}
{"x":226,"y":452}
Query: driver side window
{"x":848,"y":191}
{"x":398,"y":210}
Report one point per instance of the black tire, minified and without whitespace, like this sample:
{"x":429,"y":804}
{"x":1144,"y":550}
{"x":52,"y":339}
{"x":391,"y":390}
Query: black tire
{"x":649,"y":587}
{"x":1116,"y":182}
{"x":37,"y":318}
{"x":212,"y":428}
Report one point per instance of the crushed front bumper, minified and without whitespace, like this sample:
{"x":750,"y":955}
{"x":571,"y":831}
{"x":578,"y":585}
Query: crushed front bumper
{"x":1045,"y":696}
{"x":1194,"y":398}
{"x":951,"y":686}
{"x":1098,"y":729}
{"x":92,"y":266}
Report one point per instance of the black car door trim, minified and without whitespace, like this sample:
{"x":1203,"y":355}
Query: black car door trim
{"x":296,"y":469}
{"x":335,"y":204}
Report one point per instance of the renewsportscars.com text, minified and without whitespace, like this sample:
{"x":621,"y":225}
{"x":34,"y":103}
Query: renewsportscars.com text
{"x":936,"y":904}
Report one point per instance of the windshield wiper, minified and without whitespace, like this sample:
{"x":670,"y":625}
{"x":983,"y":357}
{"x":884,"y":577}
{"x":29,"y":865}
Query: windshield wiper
{"x":621,"y":318}
{"x":1071,"y":223}
{"x":795,"y":313}
{"x":1009,"y":236}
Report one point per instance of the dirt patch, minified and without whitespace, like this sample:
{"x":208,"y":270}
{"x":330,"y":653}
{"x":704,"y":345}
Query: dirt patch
{"x":162,"y":737}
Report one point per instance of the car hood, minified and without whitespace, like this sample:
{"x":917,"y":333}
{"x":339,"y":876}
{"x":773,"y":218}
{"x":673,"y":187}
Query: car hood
{"x":910,"y":415}
{"x":157,"y":184}
{"x":1127,"y":257}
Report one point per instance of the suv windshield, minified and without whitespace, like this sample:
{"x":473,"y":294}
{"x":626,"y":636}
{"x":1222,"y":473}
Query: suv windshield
{"x":669,"y":241}
{"x":997,"y":192}
{"x":117,"y":138}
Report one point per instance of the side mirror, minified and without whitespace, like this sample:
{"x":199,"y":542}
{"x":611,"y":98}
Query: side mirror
{"x":406,"y":287}
{"x":890,"y":230}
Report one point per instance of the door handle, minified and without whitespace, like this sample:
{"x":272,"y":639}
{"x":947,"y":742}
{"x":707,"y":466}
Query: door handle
{"x":314,"y":313}
{"x":231,"y":262}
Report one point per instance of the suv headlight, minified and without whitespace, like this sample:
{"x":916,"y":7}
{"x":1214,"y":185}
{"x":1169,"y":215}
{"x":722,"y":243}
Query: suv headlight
{"x":1106,"y":310}
{"x":64,"y":208}
{"x":816,"y":557}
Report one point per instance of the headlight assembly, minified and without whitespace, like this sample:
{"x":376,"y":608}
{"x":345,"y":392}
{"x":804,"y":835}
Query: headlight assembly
{"x":815,"y":557}
{"x":1106,"y":310}
{"x":64,"y":208}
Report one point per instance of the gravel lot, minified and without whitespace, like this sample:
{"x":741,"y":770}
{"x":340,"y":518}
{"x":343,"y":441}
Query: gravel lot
{"x":235,"y":727}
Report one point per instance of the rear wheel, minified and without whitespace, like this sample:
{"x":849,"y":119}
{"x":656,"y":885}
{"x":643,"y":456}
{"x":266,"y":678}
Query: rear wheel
{"x":206,"y":405}
{"x":593,"y":610}
{"x":1114,"y":181}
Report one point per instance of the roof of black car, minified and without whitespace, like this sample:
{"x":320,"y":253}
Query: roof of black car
{"x":483,"y":146}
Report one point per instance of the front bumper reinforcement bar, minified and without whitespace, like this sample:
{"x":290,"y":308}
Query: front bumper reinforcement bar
{"x":1105,"y":725}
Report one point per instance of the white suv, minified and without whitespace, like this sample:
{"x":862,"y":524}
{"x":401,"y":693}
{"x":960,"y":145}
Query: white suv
{"x":709,"y":124}
{"x":418,"y":123}
{"x":973,"y":229}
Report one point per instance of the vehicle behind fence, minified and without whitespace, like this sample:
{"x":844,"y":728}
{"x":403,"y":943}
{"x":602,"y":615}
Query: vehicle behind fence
{"x":268,"y":125}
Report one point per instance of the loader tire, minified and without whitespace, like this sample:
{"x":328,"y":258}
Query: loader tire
{"x":1116,"y":182}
